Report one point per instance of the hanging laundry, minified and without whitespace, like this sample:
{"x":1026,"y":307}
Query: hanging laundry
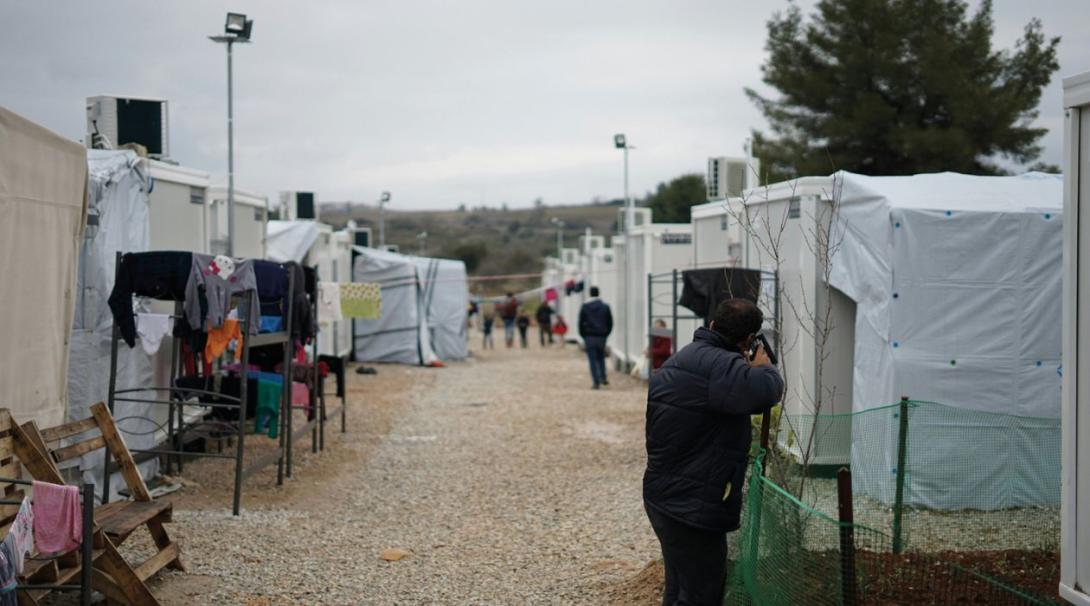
{"x":360,"y":300}
{"x":159,"y":275}
{"x":300,"y":395}
{"x":22,"y":535}
{"x":329,"y":302}
{"x":272,"y":324}
{"x":221,"y":277}
{"x":152,"y":328}
{"x":8,"y":579}
{"x":220,"y":338}
{"x":550,"y":294}
{"x":569,"y":287}
{"x":58,"y":521}
{"x":578,"y":287}
{"x":267,"y":415}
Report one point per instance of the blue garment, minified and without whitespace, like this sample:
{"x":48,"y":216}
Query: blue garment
{"x":596,"y":355}
{"x":7,"y":572}
{"x":272,"y":323}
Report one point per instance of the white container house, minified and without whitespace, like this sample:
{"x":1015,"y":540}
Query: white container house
{"x":177,"y":204}
{"x":1075,"y":534}
{"x":251,"y":217}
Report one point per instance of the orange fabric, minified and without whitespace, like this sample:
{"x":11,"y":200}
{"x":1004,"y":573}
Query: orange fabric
{"x":219,"y":338}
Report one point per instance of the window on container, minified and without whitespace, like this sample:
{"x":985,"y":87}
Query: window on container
{"x":196,"y":195}
{"x":794,"y":208}
{"x":259,"y":214}
{"x":723,"y":222}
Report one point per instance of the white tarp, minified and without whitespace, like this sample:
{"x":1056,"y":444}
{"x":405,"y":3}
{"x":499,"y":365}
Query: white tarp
{"x":957,"y":281}
{"x":401,"y":334}
{"x":289,"y":240}
{"x":43,"y":202}
{"x":118,"y":221}
{"x":446,"y":299}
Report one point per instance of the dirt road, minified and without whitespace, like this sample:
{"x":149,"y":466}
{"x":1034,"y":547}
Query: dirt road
{"x":502,"y":480}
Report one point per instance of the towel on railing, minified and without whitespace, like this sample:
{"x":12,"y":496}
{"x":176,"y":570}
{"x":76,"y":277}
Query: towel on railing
{"x":58,"y":523}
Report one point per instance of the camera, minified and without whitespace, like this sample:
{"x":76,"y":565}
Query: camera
{"x":760,"y":340}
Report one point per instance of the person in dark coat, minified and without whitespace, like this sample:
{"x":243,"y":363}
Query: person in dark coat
{"x":595,"y":324}
{"x":523,"y":323}
{"x":698,"y":438}
{"x":545,"y":322}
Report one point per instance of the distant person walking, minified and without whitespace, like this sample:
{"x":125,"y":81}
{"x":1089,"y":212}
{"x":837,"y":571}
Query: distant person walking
{"x":509,"y":311}
{"x":486,"y":329}
{"x":595,"y":324}
{"x":545,"y":322}
{"x":523,"y":323}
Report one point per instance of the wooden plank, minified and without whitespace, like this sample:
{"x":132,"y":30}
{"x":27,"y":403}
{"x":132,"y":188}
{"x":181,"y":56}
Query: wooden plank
{"x":5,"y":447}
{"x":107,"y":586}
{"x":162,"y":539}
{"x":78,"y":449}
{"x":158,"y":561}
{"x":124,"y":578}
{"x":54,"y":434}
{"x":5,"y":420}
{"x":116,"y":445}
{"x":127,"y":516}
{"x":34,"y":459}
{"x":40,"y":570}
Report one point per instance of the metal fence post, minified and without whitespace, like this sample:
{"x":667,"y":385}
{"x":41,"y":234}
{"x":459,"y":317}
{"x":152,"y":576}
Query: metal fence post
{"x":673,"y":305}
{"x":847,"y":537}
{"x":899,"y":497}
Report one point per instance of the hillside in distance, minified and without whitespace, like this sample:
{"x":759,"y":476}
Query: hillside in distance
{"x":491,"y":241}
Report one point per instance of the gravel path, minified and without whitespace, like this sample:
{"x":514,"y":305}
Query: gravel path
{"x":505,"y":478}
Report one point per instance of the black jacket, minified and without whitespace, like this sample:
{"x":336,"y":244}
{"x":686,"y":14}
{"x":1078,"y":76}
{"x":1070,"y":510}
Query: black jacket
{"x":698,"y":431}
{"x":595,"y":319}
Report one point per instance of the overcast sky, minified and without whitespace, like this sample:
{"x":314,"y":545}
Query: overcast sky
{"x":439,"y":102}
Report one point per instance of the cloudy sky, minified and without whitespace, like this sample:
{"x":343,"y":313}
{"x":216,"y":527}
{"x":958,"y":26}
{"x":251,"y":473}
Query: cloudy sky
{"x":439,"y":102}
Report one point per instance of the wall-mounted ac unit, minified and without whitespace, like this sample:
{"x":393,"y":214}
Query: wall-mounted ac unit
{"x":361,"y":236}
{"x":115,"y":121}
{"x":729,"y":177}
{"x":298,"y":205}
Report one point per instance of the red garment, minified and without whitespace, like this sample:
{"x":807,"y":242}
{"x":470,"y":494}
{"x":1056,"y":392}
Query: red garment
{"x":560,"y":327}
{"x":661,"y":349}
{"x":58,"y":517}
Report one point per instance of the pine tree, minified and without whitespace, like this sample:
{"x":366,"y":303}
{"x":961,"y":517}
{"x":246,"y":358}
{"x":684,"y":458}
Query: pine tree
{"x":671,"y":201}
{"x":891,"y":87}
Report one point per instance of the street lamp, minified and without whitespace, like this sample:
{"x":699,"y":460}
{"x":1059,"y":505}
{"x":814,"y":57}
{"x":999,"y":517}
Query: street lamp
{"x":382,"y":219}
{"x":621,"y":142}
{"x":422,"y":237}
{"x":559,"y":238}
{"x":236,"y":30}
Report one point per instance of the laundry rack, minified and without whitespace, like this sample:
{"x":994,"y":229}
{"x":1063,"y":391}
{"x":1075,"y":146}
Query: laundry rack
{"x":181,"y":431}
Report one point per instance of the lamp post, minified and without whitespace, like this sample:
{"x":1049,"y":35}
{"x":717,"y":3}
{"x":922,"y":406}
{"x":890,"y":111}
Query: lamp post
{"x":621,"y":142}
{"x":382,"y":219}
{"x":236,"y":30}
{"x":559,"y":239}
{"x":422,"y":238}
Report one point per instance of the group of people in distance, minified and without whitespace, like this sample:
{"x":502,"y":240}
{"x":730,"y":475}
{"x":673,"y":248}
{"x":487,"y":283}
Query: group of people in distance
{"x":514,"y":316}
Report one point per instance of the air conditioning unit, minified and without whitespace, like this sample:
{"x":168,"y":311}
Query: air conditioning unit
{"x":361,"y":236}
{"x":298,"y":205}
{"x":729,"y":177}
{"x":642,"y":216}
{"x":115,"y":121}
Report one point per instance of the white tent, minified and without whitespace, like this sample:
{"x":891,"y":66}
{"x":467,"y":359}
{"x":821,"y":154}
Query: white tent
{"x":957,"y":281}
{"x":289,"y":240}
{"x":43,"y":202}
{"x":446,"y":298}
{"x":118,"y":221}
{"x":401,"y":333}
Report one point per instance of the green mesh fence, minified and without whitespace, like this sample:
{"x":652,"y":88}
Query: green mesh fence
{"x":978,"y":518}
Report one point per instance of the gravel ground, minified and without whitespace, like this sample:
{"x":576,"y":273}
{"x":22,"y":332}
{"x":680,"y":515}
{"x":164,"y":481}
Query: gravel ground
{"x":505,"y":479}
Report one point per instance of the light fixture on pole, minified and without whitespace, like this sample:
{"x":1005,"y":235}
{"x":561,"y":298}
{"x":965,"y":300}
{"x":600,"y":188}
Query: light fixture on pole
{"x":382,"y":219}
{"x":422,"y":238}
{"x":236,"y":30}
{"x":621,"y":142}
{"x":559,"y":239}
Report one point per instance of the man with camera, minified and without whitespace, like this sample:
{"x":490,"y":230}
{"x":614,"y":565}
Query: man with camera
{"x":698,"y":439}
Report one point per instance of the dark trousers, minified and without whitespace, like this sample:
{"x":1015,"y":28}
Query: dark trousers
{"x":596,"y":355}
{"x":522,"y":335}
{"x":543,"y":331}
{"x":695,"y":561}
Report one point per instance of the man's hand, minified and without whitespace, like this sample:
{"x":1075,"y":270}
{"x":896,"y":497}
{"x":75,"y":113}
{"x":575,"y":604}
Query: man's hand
{"x":760,"y":358}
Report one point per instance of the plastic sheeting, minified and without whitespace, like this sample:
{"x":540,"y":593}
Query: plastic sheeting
{"x":119,"y":222}
{"x":43,"y":193}
{"x":957,"y":281}
{"x":401,"y":334}
{"x":289,"y":240}
{"x":446,"y":298}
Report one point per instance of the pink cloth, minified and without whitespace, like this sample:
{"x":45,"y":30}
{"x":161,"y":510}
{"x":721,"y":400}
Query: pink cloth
{"x":550,"y":294}
{"x":58,"y":519}
{"x":300,"y":394}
